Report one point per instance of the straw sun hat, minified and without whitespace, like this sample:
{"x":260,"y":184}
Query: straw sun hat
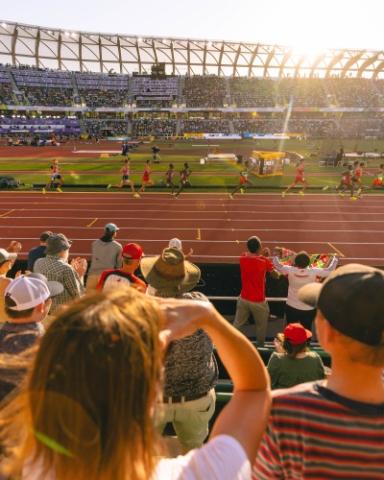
{"x":170,"y":270}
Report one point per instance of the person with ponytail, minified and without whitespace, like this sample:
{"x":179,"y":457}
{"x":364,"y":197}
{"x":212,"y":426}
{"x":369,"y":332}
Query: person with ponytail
{"x":293,"y":362}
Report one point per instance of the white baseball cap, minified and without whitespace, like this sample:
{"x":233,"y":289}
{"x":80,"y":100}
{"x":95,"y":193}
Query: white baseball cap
{"x":5,"y":256}
{"x":175,"y":243}
{"x":28,"y":291}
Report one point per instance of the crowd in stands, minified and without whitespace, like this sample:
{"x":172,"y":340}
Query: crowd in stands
{"x":42,"y":86}
{"x":100,"y":128}
{"x":204,"y":91}
{"x":88,"y":381}
{"x":158,"y":127}
{"x":95,"y":98}
{"x":205,"y":125}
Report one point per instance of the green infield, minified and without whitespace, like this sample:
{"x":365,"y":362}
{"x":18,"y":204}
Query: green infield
{"x":98,"y":172}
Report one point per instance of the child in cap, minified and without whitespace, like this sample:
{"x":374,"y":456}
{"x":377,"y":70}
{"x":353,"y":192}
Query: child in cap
{"x":295,"y":363}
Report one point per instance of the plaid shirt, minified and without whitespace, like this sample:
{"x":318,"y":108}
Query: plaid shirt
{"x":58,"y":270}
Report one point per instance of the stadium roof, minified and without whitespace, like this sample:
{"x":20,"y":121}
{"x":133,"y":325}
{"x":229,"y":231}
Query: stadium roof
{"x":100,"y":52}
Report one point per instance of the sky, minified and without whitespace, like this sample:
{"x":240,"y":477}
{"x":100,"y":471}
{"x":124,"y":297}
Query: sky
{"x":308,"y":25}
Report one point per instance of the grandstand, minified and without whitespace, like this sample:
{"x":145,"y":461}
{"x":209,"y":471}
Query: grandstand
{"x":100,"y":77}
{"x":110,"y":107}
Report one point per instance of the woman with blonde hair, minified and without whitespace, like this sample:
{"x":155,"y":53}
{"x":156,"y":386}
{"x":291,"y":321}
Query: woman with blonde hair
{"x":86,"y":411}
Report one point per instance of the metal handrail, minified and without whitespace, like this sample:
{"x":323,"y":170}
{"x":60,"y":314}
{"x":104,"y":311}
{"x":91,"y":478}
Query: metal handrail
{"x":268,"y":299}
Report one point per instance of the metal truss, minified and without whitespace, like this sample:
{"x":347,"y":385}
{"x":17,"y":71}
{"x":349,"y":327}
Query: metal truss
{"x":96,"y":52}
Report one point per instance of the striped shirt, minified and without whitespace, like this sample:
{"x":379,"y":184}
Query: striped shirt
{"x":315,"y":433}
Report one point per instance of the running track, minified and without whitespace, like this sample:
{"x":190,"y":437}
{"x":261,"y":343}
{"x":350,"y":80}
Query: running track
{"x":212,"y":224}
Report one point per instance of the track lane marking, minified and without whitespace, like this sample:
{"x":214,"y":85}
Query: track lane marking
{"x":92,"y":223}
{"x":3,"y":215}
{"x":339,"y":252}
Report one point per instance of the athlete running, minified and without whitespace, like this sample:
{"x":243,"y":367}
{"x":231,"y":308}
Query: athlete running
{"x":378,"y":181}
{"x":125,"y":180}
{"x":356,"y":179}
{"x":299,"y":178}
{"x":346,"y":182}
{"x":244,"y":182}
{"x":184,"y":179}
{"x":169,"y":176}
{"x":55,"y":180}
{"x":146,"y":179}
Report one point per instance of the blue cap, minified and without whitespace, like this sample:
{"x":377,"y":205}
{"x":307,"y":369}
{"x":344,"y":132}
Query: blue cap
{"x":111,"y":227}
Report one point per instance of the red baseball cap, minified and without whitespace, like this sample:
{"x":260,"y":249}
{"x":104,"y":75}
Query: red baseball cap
{"x":296,"y":334}
{"x":132,"y":250}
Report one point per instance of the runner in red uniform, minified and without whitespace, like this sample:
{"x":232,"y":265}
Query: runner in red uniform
{"x":378,"y":181}
{"x":244,"y":181}
{"x":356,"y":179}
{"x":125,"y":180}
{"x":346,"y":182}
{"x":299,"y":178}
{"x":146,"y":179}
{"x":55,"y":180}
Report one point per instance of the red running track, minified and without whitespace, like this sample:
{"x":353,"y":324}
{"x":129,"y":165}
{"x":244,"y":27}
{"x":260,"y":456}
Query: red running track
{"x":212,"y":224}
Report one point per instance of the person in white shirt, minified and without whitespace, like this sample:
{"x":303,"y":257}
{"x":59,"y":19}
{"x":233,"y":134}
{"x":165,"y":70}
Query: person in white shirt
{"x":88,"y":408}
{"x":299,"y":274}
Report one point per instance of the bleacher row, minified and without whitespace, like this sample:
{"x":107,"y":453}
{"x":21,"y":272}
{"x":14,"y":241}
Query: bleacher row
{"x":32,"y":86}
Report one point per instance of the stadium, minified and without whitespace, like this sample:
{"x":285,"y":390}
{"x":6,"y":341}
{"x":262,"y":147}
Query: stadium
{"x":224,"y":147}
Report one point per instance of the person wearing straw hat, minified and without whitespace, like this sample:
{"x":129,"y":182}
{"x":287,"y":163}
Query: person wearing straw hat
{"x":190,"y":366}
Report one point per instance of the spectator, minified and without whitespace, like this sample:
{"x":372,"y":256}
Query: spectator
{"x":300,"y":274}
{"x":296,"y":364}
{"x":27,"y":303}
{"x":38,"y":252}
{"x":335,"y":428}
{"x":177,"y":243}
{"x":6,"y":261}
{"x":253,"y":268}
{"x":131,"y":256}
{"x":106,"y":254}
{"x":190,"y":367}
{"x":98,"y":423}
{"x":56,"y":268}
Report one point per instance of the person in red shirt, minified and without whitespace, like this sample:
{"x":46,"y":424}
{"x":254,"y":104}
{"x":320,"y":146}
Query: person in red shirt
{"x":131,"y":255}
{"x":299,"y":178}
{"x":356,"y":179}
{"x":146,"y":179}
{"x":254,"y":267}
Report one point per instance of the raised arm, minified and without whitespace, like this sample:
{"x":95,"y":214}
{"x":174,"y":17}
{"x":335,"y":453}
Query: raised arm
{"x":245,"y":416}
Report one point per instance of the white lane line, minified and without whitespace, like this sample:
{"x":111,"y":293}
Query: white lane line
{"x":195,"y":240}
{"x":193,"y":229}
{"x":133,"y":202}
{"x":199,"y":212}
{"x":197,"y":218}
{"x":203,"y":194}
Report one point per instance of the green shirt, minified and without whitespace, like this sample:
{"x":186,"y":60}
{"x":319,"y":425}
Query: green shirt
{"x":286,"y":372}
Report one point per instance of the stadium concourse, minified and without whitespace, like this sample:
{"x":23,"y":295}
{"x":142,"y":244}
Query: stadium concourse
{"x":212,"y":224}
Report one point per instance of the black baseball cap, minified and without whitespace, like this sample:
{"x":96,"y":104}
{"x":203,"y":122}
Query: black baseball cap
{"x":352,"y":300}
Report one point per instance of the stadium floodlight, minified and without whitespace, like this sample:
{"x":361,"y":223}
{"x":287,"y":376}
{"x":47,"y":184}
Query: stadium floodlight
{"x":139,"y":39}
{"x":4,"y":25}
